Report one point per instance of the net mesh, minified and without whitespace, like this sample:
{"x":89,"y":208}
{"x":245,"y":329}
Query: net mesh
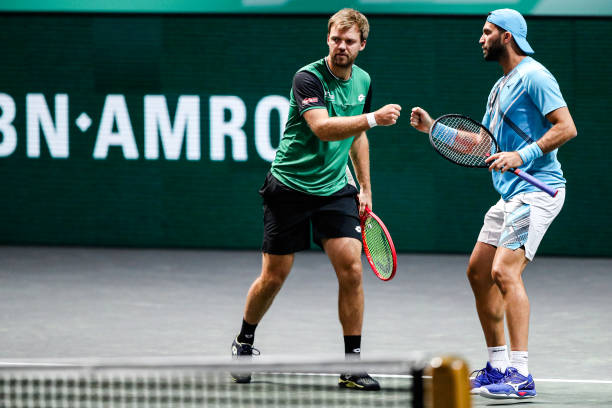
{"x":378,"y":247}
{"x":461,"y":140}
{"x":199,"y":385}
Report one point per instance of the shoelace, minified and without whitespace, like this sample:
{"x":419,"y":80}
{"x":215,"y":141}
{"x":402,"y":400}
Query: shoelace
{"x":245,"y":347}
{"x":367,"y":380}
{"x":478,"y":373}
{"x":513,"y":374}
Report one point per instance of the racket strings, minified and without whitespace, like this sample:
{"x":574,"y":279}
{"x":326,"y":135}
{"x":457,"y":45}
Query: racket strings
{"x":462,"y":141}
{"x":378,"y":246}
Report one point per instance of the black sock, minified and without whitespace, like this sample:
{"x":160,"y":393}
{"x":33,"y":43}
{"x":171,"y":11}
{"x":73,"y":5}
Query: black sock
{"x":352,"y":346}
{"x":247,"y":333}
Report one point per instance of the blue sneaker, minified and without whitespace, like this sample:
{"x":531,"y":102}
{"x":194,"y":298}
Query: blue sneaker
{"x":513,"y":386}
{"x":486,"y":376}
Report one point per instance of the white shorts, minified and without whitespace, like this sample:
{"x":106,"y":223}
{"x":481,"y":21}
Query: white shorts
{"x":521,"y":221}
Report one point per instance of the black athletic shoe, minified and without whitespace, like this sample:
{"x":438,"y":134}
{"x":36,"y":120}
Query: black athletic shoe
{"x":242,"y":351}
{"x":358,"y":382}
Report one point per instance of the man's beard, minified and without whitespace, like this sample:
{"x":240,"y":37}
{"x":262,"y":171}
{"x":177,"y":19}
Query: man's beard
{"x":495,"y":51}
{"x":343,"y":62}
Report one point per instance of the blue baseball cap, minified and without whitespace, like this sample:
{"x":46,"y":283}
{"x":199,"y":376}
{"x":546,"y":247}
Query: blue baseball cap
{"x":512,"y":21}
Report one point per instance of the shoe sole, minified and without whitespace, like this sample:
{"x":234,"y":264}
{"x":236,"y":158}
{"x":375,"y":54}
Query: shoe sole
{"x":240,"y":380}
{"x":485,"y":393}
{"x":354,"y":386}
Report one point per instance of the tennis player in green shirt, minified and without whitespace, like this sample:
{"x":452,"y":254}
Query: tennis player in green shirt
{"x":307,"y":186}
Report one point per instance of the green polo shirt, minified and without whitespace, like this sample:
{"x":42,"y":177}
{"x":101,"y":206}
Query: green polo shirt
{"x":303,"y":161}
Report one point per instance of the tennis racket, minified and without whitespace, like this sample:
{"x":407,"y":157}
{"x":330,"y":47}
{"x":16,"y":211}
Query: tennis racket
{"x":468,"y":143}
{"x":378,"y":246}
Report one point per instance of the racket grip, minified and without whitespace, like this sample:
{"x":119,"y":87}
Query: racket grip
{"x":534,"y":181}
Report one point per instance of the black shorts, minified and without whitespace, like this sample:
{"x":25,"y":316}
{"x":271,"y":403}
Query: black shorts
{"x":288,"y":215}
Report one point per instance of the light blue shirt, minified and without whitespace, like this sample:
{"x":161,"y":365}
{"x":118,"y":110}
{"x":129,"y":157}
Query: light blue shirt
{"x":516,"y":110}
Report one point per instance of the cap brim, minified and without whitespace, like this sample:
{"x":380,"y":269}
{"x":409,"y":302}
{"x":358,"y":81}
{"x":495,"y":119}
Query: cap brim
{"x":523,"y":44}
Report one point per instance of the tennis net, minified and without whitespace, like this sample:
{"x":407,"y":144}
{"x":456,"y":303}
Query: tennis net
{"x":205,"y":382}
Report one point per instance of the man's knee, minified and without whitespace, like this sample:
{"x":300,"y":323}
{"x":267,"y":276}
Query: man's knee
{"x":478,"y":273}
{"x":504,"y":277}
{"x":479,"y":265}
{"x":508,"y":268}
{"x":350,"y":274}
{"x":473,"y":274}
{"x":273,"y":281}
{"x":275,"y":270}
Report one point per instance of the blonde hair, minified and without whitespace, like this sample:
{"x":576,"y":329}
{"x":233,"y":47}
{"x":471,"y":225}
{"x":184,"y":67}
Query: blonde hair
{"x":347,"y":18}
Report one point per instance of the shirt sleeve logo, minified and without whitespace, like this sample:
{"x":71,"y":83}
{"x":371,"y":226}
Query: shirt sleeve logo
{"x":361,"y":97}
{"x":307,"y":101}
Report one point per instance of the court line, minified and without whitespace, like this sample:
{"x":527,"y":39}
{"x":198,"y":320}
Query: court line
{"x":559,"y":380}
{"x":549,"y":380}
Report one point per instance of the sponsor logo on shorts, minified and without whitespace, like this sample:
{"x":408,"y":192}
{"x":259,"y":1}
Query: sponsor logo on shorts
{"x":310,"y":100}
{"x":358,"y":229}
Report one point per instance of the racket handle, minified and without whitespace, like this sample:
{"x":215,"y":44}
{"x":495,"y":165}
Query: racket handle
{"x":534,"y":181}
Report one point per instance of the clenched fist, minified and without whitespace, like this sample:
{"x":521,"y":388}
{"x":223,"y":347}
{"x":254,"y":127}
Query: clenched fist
{"x":387,"y":115}
{"x":420,"y":119}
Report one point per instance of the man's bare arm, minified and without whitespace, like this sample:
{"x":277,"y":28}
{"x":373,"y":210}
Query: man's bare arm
{"x":329,"y":128}
{"x":360,"y":157}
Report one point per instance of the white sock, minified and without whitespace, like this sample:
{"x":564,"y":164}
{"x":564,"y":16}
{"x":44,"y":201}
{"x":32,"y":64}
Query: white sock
{"x":498,"y":357}
{"x":520,"y":361}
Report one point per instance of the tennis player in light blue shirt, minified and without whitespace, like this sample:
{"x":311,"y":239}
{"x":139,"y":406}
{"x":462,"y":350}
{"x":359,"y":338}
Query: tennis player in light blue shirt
{"x":530,"y":120}
{"x":516,"y":115}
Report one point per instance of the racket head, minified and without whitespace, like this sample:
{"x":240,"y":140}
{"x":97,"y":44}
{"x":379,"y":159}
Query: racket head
{"x":462,"y":140}
{"x":378,"y":246}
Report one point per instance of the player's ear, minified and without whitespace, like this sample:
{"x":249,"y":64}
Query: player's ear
{"x":363,"y":44}
{"x":507,"y":37}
